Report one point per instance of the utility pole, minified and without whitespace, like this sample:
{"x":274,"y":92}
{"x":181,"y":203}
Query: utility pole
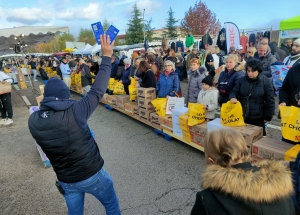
{"x":144,"y":24}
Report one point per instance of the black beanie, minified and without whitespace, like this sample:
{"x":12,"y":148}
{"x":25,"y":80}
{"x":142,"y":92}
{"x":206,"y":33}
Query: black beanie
{"x":208,"y":80}
{"x":209,"y":58}
{"x":57,"y":88}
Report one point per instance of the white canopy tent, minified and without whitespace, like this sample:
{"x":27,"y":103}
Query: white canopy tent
{"x":92,"y":50}
{"x":31,"y":35}
{"x":87,"y":46}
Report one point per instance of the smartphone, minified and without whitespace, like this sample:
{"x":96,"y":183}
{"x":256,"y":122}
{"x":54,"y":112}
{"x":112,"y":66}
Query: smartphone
{"x":98,"y":30}
{"x":112,"y":31}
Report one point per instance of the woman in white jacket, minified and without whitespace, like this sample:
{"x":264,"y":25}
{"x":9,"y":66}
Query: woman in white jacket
{"x":208,"y":97}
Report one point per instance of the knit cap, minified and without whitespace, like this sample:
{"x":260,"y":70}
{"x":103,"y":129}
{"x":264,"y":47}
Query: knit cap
{"x":208,"y":80}
{"x":57,"y":88}
{"x":297,"y":41}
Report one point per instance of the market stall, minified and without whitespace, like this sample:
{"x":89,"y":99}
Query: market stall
{"x":86,"y":47}
{"x":289,"y":28}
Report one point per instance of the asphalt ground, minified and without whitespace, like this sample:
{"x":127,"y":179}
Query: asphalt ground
{"x":151,"y":175}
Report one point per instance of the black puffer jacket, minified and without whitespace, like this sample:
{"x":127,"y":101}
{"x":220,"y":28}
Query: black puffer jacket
{"x":256,"y":97}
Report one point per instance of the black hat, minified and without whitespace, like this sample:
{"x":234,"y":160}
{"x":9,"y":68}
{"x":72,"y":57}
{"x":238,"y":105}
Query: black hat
{"x":209,"y":58}
{"x":208,"y":80}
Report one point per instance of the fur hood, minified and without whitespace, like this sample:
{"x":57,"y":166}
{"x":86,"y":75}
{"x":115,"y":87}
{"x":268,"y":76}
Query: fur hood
{"x":270,"y":183}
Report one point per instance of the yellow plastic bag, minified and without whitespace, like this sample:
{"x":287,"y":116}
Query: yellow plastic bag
{"x":132,"y":92}
{"x":119,"y":89}
{"x":111,"y":84}
{"x":132,"y":81}
{"x":290,"y":123}
{"x":232,"y":114}
{"x":160,"y":105}
{"x":196,"y":114}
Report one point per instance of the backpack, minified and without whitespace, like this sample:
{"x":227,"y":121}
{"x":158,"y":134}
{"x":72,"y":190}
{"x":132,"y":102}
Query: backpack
{"x":279,"y":71}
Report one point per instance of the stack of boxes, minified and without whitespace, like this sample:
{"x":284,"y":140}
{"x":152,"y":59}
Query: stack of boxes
{"x":198,"y":133}
{"x":155,"y":120}
{"x":176,"y":113}
{"x":166,"y":123}
{"x":145,"y":96}
{"x":121,"y":100}
{"x":110,"y":99}
{"x":129,"y":107}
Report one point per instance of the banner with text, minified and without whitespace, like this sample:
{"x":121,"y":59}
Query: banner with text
{"x":232,"y":35}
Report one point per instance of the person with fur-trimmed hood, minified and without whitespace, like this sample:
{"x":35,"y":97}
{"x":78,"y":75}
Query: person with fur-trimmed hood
{"x":231,"y":185}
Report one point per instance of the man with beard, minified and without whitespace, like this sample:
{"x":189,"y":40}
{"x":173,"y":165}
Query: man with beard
{"x":266,"y":57}
{"x":294,"y":57}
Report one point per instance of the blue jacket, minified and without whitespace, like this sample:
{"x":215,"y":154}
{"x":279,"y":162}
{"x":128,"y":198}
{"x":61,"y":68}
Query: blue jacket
{"x":227,"y":81}
{"x":125,"y":77}
{"x":166,"y":84}
{"x":65,"y":70}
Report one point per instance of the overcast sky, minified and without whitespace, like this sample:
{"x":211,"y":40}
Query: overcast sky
{"x":81,"y":13}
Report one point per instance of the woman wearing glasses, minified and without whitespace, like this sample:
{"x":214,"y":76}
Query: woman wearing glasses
{"x":168,"y":83}
{"x":250,"y":53}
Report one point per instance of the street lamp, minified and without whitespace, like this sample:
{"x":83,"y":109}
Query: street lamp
{"x":144,"y":24}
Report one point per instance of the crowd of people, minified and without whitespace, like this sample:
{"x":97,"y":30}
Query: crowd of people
{"x":213,"y":81}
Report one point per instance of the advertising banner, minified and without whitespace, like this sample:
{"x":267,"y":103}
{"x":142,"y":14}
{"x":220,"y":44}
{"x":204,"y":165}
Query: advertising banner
{"x":232,"y":35}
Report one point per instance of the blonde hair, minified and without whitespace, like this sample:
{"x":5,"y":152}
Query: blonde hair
{"x":195,"y":60}
{"x":226,"y":147}
{"x":251,"y":49}
{"x":233,"y":57}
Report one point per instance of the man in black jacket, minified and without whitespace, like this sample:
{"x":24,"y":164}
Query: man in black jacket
{"x":86,"y":77}
{"x":60,"y":128}
{"x":289,"y":89}
{"x":286,"y":46}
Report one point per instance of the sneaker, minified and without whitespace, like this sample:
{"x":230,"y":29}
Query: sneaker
{"x":35,"y":80}
{"x":2,"y":121}
{"x":8,"y":122}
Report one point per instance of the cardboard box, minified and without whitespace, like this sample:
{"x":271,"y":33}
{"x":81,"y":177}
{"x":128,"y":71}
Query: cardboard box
{"x":214,"y":125}
{"x":200,"y":129}
{"x":109,"y":98}
{"x":166,"y":123}
{"x":154,"y":118}
{"x":114,"y":101}
{"x":39,"y":99}
{"x":129,"y":106}
{"x":251,"y":133}
{"x":267,"y":148}
{"x":123,"y":99}
{"x":292,"y":153}
{"x":155,"y":125}
{"x":183,"y":122}
{"x":197,"y":138}
{"x":136,"y":110}
{"x":144,"y":113}
{"x":145,"y":103}
{"x":23,"y":85}
{"x":120,"y":105}
{"x":103,"y":100}
{"x":146,"y":92}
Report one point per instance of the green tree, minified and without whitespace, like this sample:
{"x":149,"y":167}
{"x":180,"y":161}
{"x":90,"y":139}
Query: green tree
{"x":149,"y":30}
{"x":134,"y":33}
{"x":105,"y":24}
{"x":86,"y":35}
{"x":171,"y":31}
{"x":61,"y":39}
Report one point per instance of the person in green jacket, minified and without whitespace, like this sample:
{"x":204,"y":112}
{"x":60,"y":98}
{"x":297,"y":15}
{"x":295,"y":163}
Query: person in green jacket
{"x":189,"y":41}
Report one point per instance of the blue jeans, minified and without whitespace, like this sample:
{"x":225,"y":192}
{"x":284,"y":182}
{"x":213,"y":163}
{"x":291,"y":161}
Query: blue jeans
{"x":34,"y":73}
{"x":99,"y":185}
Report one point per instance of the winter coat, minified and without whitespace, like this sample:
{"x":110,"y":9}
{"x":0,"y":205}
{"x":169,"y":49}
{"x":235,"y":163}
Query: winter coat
{"x":43,"y":74}
{"x":135,"y":72}
{"x":256,"y":97}
{"x":292,"y":60}
{"x":63,"y":132}
{"x":206,"y":39}
{"x":252,"y":40}
{"x":210,"y":98}
{"x":114,"y":68}
{"x":159,"y":62}
{"x":167,"y":84}
{"x":221,"y":41}
{"x":281,"y":53}
{"x":267,"y":61}
{"x":86,"y":77}
{"x":263,"y":188}
{"x":290,"y":87}
{"x":126,"y":76}
{"x":148,"y":79}
{"x":286,"y":49}
{"x":189,"y":41}
{"x":195,"y":84}
{"x":227,"y":81}
{"x":120,"y":72}
{"x":65,"y":70}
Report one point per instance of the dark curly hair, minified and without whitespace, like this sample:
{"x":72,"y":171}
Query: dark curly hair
{"x":255,"y":65}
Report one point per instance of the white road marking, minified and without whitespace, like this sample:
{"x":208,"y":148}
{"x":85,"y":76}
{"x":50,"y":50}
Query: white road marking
{"x":16,"y":87}
{"x":26,"y":100}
